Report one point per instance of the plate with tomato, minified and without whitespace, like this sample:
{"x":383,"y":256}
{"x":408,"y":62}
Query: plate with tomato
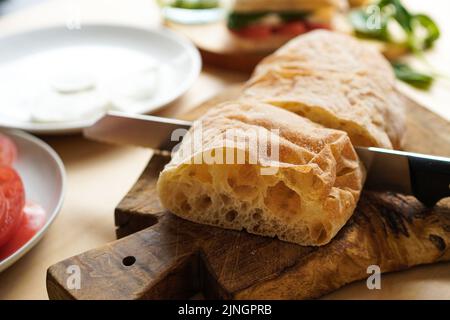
{"x":32,"y":184}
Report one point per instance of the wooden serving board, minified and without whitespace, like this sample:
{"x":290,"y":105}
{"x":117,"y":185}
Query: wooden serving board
{"x":164,"y":257}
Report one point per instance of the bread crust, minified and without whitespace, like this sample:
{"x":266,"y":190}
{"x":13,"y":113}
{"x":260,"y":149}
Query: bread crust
{"x":307,"y":199}
{"x":286,"y":5}
{"x":335,"y":80}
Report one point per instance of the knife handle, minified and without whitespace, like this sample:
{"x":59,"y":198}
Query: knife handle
{"x":430,"y":179}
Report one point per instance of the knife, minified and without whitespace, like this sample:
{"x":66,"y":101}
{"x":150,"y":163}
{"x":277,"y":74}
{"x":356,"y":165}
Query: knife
{"x":424,"y":176}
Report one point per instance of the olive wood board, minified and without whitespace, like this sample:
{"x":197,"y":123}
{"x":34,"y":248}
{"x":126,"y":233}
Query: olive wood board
{"x":161,"y":256}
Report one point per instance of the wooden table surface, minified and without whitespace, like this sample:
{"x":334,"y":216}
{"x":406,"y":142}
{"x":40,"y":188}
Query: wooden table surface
{"x":100,"y":175}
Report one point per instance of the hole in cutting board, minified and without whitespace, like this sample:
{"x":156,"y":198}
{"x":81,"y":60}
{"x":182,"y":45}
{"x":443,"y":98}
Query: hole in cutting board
{"x":128,"y":261}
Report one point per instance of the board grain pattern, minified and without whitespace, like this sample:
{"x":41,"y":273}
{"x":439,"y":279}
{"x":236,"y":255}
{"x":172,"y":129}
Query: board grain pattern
{"x":165,"y":257}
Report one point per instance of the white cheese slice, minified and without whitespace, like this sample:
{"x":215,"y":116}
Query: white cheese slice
{"x":131,"y":90}
{"x":57,"y":107}
{"x":72,"y":82}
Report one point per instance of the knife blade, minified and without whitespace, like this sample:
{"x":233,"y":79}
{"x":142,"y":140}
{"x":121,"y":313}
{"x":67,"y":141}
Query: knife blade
{"x":424,"y":176}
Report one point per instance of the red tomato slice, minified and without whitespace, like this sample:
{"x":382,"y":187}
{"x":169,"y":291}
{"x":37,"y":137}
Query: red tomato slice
{"x":316,"y":25}
{"x":8,"y":151}
{"x":12,"y":200}
{"x":255,"y":32}
{"x":294,"y":28}
{"x":33,"y":220}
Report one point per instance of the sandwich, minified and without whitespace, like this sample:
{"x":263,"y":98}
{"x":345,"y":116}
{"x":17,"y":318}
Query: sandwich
{"x":264,"y":25}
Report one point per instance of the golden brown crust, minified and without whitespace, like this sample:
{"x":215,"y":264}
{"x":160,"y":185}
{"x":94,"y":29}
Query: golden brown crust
{"x":358,"y":3}
{"x":307,"y":198}
{"x":392,"y":231}
{"x":286,"y":5}
{"x":334,"y":80}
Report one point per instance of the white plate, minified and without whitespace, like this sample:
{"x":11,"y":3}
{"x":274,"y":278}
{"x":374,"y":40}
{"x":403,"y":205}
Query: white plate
{"x":43,"y":176}
{"x":28,"y":55}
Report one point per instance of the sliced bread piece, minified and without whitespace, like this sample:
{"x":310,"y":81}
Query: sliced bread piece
{"x":301,"y":183}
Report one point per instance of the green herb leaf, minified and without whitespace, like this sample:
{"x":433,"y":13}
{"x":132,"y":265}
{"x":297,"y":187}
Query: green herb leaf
{"x":415,"y":78}
{"x":195,"y":4}
{"x":293,"y":15}
{"x":238,"y":21}
{"x":420,"y":30}
{"x":432,"y":30}
{"x":392,"y":10}
{"x":402,"y":15}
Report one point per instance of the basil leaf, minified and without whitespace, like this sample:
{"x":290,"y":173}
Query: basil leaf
{"x":410,"y":23}
{"x":238,"y":21}
{"x":293,"y":16}
{"x":402,"y":16}
{"x":421,"y":33}
{"x":414,"y":78}
{"x":431,"y":28}
{"x":195,"y":4}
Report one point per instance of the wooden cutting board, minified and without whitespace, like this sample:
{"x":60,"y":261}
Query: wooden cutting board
{"x":174,"y":258}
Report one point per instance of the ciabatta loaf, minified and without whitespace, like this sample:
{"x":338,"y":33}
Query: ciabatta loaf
{"x":337,"y":81}
{"x":300,"y":183}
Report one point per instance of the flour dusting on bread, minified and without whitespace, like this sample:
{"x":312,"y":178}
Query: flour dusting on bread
{"x":337,"y":81}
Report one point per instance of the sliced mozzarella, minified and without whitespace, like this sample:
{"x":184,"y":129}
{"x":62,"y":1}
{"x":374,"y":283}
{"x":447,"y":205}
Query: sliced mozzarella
{"x":133,"y":89}
{"x":271,"y":19}
{"x":129,"y":105}
{"x":72,"y":82}
{"x":56,"y":107}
